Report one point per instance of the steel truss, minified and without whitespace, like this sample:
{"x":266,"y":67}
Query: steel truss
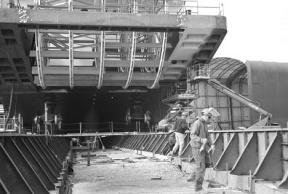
{"x":258,"y":153}
{"x":106,"y":50}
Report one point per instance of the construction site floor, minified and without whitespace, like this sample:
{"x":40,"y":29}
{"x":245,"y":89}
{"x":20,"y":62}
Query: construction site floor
{"x":126,"y":172}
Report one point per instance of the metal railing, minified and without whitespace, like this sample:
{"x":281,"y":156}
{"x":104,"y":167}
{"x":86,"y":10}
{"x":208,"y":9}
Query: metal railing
{"x":11,"y":124}
{"x":203,"y":73}
{"x":99,"y":127}
{"x":188,"y":7}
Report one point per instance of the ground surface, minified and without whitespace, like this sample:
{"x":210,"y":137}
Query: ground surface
{"x":125,"y":172}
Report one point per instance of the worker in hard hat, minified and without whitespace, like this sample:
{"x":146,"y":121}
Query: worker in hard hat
{"x":201,"y":145}
{"x":180,"y":127}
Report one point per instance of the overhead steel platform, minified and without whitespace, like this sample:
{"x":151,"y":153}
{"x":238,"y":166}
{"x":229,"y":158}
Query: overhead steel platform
{"x":116,"y":43}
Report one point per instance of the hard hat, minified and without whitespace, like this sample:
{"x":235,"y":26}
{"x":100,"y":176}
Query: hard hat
{"x":210,"y":111}
{"x":184,"y":113}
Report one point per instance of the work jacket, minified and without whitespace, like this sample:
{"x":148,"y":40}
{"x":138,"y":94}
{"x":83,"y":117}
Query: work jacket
{"x":199,"y":131}
{"x":180,"y":125}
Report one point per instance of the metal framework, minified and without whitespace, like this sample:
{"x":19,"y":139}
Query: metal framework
{"x":71,"y":51}
{"x":102,"y":55}
{"x":68,"y":55}
{"x":71,"y":61}
{"x":132,"y":60}
{"x":250,"y":154}
{"x":36,"y":166}
{"x":162,"y":60}
{"x":39,"y":59}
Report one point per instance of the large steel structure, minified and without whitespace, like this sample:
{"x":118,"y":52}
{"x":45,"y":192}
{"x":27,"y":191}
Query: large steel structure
{"x":133,"y":43}
{"x":116,"y":43}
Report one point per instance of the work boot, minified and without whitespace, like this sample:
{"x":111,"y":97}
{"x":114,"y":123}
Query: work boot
{"x":198,"y":188}
{"x":191,"y":178}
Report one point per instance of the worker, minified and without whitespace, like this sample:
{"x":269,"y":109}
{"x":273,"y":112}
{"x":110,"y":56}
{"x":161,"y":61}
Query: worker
{"x":59,"y":123}
{"x":147,"y":120}
{"x":171,"y":140}
{"x":36,"y":122}
{"x":180,"y":127}
{"x":201,"y":145}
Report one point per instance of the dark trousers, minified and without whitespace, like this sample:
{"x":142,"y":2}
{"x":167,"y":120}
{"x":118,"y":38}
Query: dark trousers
{"x":200,"y":166}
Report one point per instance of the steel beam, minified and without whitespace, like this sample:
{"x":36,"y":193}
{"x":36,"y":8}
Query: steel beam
{"x":35,"y":163}
{"x":219,"y":148}
{"x":162,"y":59}
{"x":132,"y":60}
{"x":40,"y":160}
{"x":26,"y":170}
{"x":161,"y":143}
{"x":187,"y":152}
{"x":146,"y":144}
{"x":130,"y":142}
{"x":86,"y":70}
{"x":270,"y":167}
{"x":163,"y":147}
{"x":43,"y":155}
{"x":152,"y":142}
{"x":71,"y":59}
{"x":248,"y":159}
{"x":11,"y":176}
{"x":102,"y":58}
{"x":60,"y":147}
{"x":39,"y":58}
{"x":3,"y":188}
{"x":60,"y":54}
{"x":136,"y":140}
{"x":141,"y":141}
{"x":230,"y":154}
{"x":108,"y":20}
{"x":154,"y":146}
{"x":98,"y":21}
{"x":47,"y":150}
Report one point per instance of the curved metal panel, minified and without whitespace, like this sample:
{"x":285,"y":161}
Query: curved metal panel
{"x":268,"y":85}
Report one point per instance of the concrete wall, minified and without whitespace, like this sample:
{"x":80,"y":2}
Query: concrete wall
{"x":233,"y":114}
